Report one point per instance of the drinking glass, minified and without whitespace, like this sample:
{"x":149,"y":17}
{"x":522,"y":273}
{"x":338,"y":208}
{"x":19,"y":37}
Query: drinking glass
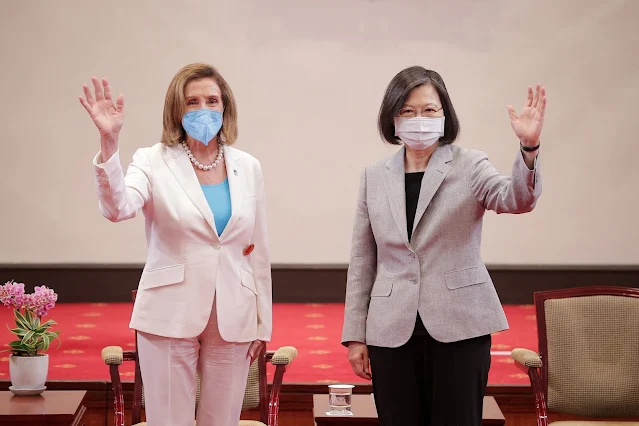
{"x":339,"y":399}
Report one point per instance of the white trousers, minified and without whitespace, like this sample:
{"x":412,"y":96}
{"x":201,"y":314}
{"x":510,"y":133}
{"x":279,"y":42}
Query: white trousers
{"x":168,"y":369}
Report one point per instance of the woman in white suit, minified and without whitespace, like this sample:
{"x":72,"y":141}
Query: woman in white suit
{"x":204,"y":298}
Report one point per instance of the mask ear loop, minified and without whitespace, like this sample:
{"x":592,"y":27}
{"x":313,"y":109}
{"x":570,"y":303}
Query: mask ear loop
{"x":221,"y":133}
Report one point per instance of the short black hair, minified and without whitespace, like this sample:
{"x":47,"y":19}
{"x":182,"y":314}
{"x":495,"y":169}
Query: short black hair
{"x":398,"y":90}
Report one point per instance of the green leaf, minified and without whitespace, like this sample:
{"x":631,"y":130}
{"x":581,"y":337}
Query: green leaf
{"x":45,"y":342}
{"x":34,"y":321}
{"x":16,"y":344}
{"x":30,"y":344}
{"x":48,"y":324}
{"x":19,"y":316}
{"x":21,"y":322}
{"x":26,"y":318}
{"x":52,"y":335}
{"x":28,"y":337}
{"x":17,"y":331}
{"x":43,"y":328}
{"x":18,"y":347}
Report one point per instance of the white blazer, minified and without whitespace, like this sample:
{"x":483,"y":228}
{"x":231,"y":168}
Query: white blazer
{"x":187,"y":264}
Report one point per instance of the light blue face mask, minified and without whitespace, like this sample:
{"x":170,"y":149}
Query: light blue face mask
{"x":202,"y":124}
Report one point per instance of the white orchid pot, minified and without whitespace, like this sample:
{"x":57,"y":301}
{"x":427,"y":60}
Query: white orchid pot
{"x":28,"y":372}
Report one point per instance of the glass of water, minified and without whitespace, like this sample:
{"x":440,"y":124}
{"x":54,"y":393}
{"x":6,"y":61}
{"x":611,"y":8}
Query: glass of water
{"x":339,"y":399}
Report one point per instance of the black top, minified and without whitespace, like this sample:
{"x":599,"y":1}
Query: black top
{"x":413,"y":184}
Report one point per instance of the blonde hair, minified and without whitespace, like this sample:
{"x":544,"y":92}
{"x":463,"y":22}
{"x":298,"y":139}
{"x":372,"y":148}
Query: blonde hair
{"x":174,"y":108}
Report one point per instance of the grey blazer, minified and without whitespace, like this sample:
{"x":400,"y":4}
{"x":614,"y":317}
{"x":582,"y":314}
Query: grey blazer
{"x":440,"y":273}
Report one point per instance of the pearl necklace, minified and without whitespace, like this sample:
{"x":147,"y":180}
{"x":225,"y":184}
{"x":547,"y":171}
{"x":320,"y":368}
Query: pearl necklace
{"x":220,"y":155}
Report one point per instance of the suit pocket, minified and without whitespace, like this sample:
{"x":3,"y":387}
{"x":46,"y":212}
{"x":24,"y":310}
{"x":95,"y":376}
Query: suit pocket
{"x":466,"y":277}
{"x":165,"y":275}
{"x":382,"y":288}
{"x":247,"y":280}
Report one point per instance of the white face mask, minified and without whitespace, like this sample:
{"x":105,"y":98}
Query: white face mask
{"x":419,"y":133}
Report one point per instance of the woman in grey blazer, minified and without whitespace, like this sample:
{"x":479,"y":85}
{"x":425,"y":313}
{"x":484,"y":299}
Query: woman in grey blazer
{"x":420,"y":304}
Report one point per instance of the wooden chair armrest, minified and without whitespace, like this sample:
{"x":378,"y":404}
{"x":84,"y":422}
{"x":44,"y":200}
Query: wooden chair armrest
{"x":281,"y":359}
{"x":113,"y":356}
{"x":530,"y":363}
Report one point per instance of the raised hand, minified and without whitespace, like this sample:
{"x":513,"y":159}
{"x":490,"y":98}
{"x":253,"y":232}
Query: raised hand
{"x":528,"y":124}
{"x":108,"y":117}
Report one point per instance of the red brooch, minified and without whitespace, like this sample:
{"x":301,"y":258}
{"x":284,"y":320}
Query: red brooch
{"x":249,"y":249}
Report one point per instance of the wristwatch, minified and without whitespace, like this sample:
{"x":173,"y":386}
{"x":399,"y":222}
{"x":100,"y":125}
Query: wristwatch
{"x":529,"y":148}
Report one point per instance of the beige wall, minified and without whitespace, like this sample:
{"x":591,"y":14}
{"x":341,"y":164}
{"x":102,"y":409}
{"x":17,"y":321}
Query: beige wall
{"x":309,"y":76}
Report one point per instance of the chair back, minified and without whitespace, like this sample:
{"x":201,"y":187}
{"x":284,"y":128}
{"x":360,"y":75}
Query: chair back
{"x":589,"y":345}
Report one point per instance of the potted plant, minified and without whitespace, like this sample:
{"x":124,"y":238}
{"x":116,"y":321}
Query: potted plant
{"x":28,"y":364}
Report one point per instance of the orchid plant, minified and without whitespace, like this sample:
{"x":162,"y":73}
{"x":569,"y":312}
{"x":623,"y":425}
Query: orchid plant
{"x":34,"y":337}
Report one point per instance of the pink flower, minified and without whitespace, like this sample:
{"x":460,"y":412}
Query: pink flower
{"x":43,"y":300}
{"x":40,"y":302}
{"x":12,"y":295}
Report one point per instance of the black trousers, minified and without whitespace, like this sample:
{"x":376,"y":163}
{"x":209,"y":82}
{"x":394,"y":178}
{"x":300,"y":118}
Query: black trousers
{"x":426,"y":382}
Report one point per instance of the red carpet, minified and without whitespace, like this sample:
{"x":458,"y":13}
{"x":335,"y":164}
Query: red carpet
{"x":314,"y":329}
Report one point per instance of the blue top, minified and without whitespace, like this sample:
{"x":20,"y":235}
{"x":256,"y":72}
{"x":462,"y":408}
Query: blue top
{"x":219,"y":198}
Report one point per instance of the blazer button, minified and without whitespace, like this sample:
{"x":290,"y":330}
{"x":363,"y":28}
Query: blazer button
{"x":216,"y":246}
{"x":413,"y":280}
{"x":412,"y":254}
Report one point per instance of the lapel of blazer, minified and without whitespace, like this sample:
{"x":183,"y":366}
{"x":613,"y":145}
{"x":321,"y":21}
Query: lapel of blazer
{"x":181,"y":167}
{"x":237,"y":184}
{"x":396,"y":192}
{"x":436,"y":171}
